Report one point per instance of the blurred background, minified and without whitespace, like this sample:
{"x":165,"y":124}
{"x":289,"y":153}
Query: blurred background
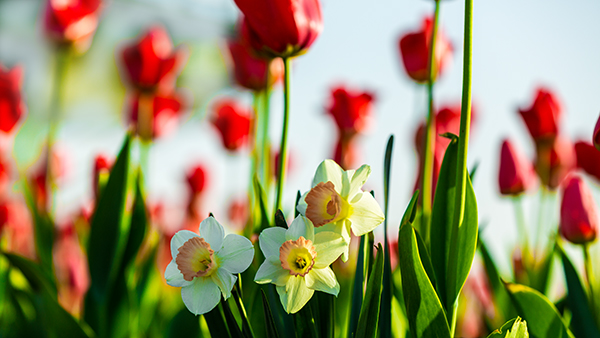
{"x":517,"y":46}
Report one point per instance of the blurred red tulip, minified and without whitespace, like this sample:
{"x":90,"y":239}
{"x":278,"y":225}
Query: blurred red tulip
{"x":282,"y":28}
{"x":578,"y":214}
{"x":233,"y":122}
{"x":543,"y":117}
{"x":72,"y":21}
{"x":4,"y":175}
{"x":152,"y":62}
{"x":346,"y":152}
{"x":351,"y":110}
{"x":588,"y":158}
{"x":102,"y":166}
{"x":415,"y":49}
{"x":596,"y":136}
{"x":554,"y":160}
{"x":159,"y":113}
{"x":238,"y":213}
{"x":250,"y":69}
{"x":196,"y":179}
{"x":516,"y":173}
{"x":17,"y":228}
{"x":12,"y":107}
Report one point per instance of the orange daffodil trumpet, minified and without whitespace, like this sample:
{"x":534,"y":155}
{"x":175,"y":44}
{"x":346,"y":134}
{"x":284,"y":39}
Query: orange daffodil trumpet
{"x":297,"y":262}
{"x":336,"y":203}
{"x":204,"y":265}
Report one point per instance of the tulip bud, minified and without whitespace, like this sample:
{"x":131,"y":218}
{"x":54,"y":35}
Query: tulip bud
{"x":596,"y":136}
{"x":554,"y":160}
{"x":102,"y":166}
{"x":516,"y":172}
{"x":543,"y":117}
{"x":415,"y":50}
{"x":72,"y":21}
{"x":155,"y":115}
{"x":12,"y":107}
{"x":284,"y":28}
{"x":351,"y":110}
{"x":578,"y":214}
{"x":233,"y":123}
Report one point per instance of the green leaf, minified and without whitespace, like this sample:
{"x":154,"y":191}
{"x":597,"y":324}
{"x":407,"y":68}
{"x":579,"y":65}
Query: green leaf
{"x":43,"y":231}
{"x":357,"y":289}
{"x":216,"y":323}
{"x":385,"y":318}
{"x":37,"y":278}
{"x":543,"y":318}
{"x":369,"y":312}
{"x":411,"y":210}
{"x":501,"y":300}
{"x":582,"y":323}
{"x":304,"y":323}
{"x":324,"y":310}
{"x":514,"y":328}
{"x":280,"y":219}
{"x":183,"y":324}
{"x":270,"y":327}
{"x":426,"y":316}
{"x":246,"y":328}
{"x":261,"y":196}
{"x":138,"y":224}
{"x":234,"y":328}
{"x":55,"y":319}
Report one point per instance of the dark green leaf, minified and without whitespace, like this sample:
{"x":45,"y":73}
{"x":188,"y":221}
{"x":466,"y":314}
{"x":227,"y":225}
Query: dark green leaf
{"x":385,"y":317}
{"x":234,"y":328}
{"x":280,"y":219}
{"x":37,"y":278}
{"x":261,"y":197}
{"x":43,"y":231}
{"x":500,"y":297}
{"x":411,"y":210}
{"x":184,"y":324}
{"x":246,"y":328}
{"x":216,"y":324}
{"x":138,"y":224}
{"x":357,"y":290}
{"x":271,"y":329}
{"x":298,"y":197}
{"x":369,"y":312}
{"x":304,"y":323}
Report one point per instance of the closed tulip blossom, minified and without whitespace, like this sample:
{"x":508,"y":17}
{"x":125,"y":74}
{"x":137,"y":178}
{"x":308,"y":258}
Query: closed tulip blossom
{"x":296,"y":27}
{"x":542,"y":118}
{"x":12,"y":107}
{"x":297,"y":261}
{"x":205,"y":265}
{"x":415,"y":50}
{"x":337,"y":203}
{"x":233,"y":123}
{"x":516,"y":173}
{"x":588,"y":159}
{"x":72,"y":21}
{"x":554,"y":160}
{"x":152,"y":62}
{"x":578,"y":213}
{"x":351,"y":110}
{"x":155,"y":115}
{"x":596,"y":136}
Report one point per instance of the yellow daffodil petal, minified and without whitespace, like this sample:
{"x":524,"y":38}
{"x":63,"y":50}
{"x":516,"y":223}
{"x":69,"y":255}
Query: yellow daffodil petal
{"x":328,"y":170}
{"x":236,"y":254}
{"x":329,"y":246}
{"x":224,"y":280}
{"x":201,"y":296}
{"x":174,"y":277}
{"x":366,"y":214}
{"x":212,"y":232}
{"x":294,"y":295}
{"x":270,"y":241}
{"x":270,"y":271}
{"x":301,"y":226}
{"x":179,"y":239}
{"x":323,"y":280}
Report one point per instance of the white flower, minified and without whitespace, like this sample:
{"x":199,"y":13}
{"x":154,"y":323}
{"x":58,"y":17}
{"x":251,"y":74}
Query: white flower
{"x":204,"y":265}
{"x":297,"y":262}
{"x":337,"y":203}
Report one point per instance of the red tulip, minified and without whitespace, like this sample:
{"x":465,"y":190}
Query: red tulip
{"x":250,"y":69}
{"x":555,"y":159}
{"x":283,"y":28}
{"x":159,"y":114}
{"x":4,"y":175}
{"x":72,"y":21}
{"x":346,"y":152}
{"x":351,"y":110}
{"x":17,"y":227}
{"x":152,"y":62}
{"x":578,"y":214}
{"x":238,"y":213}
{"x":233,"y":123}
{"x":102,"y":166}
{"x":596,"y":136}
{"x":12,"y":107}
{"x":415,"y":49}
{"x":516,"y":172}
{"x":543,"y":117}
{"x":588,"y":158}
{"x":196,"y":179}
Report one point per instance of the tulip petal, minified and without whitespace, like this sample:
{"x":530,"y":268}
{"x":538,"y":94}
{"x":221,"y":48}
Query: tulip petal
{"x":212,"y":232}
{"x":367,"y":214}
{"x":271,"y":271}
{"x":174,"y":277}
{"x":236,"y":254}
{"x":270,"y":240}
{"x":328,"y":170}
{"x":294,"y":295}
{"x":201,"y":296}
{"x":329,"y":246}
{"x":323,"y":280}
{"x":224,"y":280}
{"x":178,"y":239}
{"x":301,"y":226}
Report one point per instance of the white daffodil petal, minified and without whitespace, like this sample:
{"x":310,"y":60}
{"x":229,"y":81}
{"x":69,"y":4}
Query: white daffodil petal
{"x":358,"y":180}
{"x":301,"y":207}
{"x":212,"y":232}
{"x":271,"y":271}
{"x":174,"y":277}
{"x":224,"y":280}
{"x":301,"y":226}
{"x":236,"y":254}
{"x":270,"y":240}
{"x":178,"y":239}
{"x":201,"y":296}
{"x":323,"y":280}
{"x":367,"y":214}
{"x":329,"y":246}
{"x":294,"y":295}
{"x":346,"y":178}
{"x":328,"y":170}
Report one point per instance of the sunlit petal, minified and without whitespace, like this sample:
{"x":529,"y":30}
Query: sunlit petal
{"x":329,"y":246}
{"x":301,"y":226}
{"x":367,"y":214}
{"x":294,"y":295}
{"x":174,"y":277}
{"x":270,"y":241}
{"x":224,"y":280}
{"x":212,"y":231}
{"x":323,"y":280}
{"x":237,"y":253}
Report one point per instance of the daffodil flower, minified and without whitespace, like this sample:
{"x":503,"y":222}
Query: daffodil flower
{"x":204,"y":265}
{"x":297,"y":262}
{"x":337,"y":203}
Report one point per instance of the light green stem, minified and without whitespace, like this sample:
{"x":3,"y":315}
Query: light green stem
{"x":589,"y":271}
{"x":266,"y":144}
{"x":284,"y":132}
{"x":521,"y":225}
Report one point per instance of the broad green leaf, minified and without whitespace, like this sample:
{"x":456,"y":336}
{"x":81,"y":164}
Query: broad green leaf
{"x":234,"y":328}
{"x":304,"y":323}
{"x":280,"y":219}
{"x":33,"y":272}
{"x":582,"y":322}
{"x":514,"y":328}
{"x":357,"y":289}
{"x":323,"y":309}
{"x":426,"y":316}
{"x":385,"y":315}
{"x":500,"y":297}
{"x":216,"y":323}
{"x":270,"y":327}
{"x":411,"y":210}
{"x":57,"y":320}
{"x":369,"y":312}
{"x":543,"y":319}
{"x":183,"y":324}
{"x":246,"y":328}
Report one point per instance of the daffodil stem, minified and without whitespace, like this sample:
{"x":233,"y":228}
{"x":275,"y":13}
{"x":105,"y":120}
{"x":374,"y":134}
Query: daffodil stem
{"x":429,"y":144}
{"x":463,"y":141}
{"x":284,"y":132}
{"x":590,"y":278}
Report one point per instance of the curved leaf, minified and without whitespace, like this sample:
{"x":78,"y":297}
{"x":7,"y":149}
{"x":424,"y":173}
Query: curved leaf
{"x":369,"y":312}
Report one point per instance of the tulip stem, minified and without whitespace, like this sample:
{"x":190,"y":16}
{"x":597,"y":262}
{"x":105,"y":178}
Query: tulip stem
{"x":283,"y":147}
{"x":429,"y":144}
{"x":266,"y":144}
{"x":463,"y":141}
{"x":521,"y":224}
{"x":590,"y":278}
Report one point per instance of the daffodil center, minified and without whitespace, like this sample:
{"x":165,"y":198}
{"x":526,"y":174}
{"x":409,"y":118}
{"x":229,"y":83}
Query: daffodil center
{"x":324,"y":204}
{"x":298,"y":257}
{"x":195,"y":259}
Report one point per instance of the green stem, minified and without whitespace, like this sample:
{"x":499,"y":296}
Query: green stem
{"x":266,"y":144}
{"x":255,"y":167}
{"x":429,"y":145}
{"x":590,"y":278}
{"x":463,"y":141}
{"x":543,"y":193}
{"x":521,"y":224}
{"x":283,"y":147}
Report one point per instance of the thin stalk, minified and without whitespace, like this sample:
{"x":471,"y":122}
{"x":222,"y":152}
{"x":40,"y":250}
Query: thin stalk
{"x":283,"y":147}
{"x":463,"y":141}
{"x":254,"y":169}
{"x":521,"y":224}
{"x":266,"y":144}
{"x":543,"y":193}
{"x":429,"y":145}
{"x":590,"y":278}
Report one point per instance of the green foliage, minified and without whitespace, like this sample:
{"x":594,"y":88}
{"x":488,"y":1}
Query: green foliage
{"x":514,"y":328}
{"x":385,"y":318}
{"x":369,"y":312}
